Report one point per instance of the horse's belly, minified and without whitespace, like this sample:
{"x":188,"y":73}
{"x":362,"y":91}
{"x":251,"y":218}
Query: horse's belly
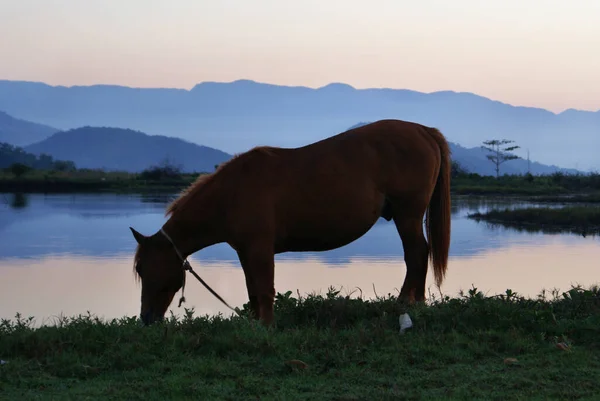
{"x":321,"y":220}
{"x":321,"y":237}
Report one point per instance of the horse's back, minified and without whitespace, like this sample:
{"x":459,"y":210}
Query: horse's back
{"x":382,"y":154}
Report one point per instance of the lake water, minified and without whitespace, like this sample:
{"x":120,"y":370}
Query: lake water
{"x":70,"y":254}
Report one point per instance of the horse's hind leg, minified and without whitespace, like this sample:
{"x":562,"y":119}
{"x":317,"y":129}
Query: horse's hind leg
{"x":416,"y":252}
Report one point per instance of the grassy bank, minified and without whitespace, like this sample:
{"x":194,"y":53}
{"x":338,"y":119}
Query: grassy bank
{"x":323,"y":348}
{"x":497,"y":190}
{"x":577,"y":219}
{"x":554,"y":186}
{"x":572,"y":198}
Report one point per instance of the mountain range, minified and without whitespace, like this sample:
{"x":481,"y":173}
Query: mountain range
{"x":128,"y":150}
{"x":20,"y":132}
{"x":238,"y":115}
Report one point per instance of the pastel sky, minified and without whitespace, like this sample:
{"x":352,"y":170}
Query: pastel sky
{"x":543,"y":53}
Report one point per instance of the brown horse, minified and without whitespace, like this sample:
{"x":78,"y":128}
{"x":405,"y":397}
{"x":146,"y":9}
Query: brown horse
{"x":313,"y":198}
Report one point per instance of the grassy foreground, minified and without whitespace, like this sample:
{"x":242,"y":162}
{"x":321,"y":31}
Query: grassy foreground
{"x":323,"y":348}
{"x":577,"y":219}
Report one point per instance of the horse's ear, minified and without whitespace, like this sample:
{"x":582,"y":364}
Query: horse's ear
{"x":140,"y":238}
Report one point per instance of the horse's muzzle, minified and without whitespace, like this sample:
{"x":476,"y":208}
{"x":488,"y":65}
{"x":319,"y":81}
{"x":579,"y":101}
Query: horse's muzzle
{"x":148,"y":318}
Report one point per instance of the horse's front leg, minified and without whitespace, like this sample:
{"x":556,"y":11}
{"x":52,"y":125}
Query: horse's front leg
{"x":258,"y":262}
{"x":254,"y":309}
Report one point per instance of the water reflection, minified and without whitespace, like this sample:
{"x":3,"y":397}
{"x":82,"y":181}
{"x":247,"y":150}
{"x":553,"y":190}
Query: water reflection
{"x":97,"y":225}
{"x":71,"y":285}
{"x":72,"y":253}
{"x":18,"y":201}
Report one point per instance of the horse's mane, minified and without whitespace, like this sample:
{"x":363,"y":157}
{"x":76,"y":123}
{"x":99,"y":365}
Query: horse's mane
{"x":136,"y":259}
{"x":203,"y":180}
{"x":189,"y":192}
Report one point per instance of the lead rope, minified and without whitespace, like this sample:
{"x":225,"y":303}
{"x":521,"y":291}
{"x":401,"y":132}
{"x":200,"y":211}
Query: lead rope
{"x":182,"y":299}
{"x":188,"y":267}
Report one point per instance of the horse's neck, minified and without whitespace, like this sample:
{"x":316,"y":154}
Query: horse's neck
{"x":196,"y":227}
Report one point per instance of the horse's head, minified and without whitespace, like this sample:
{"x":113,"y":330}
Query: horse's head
{"x":161,"y":272}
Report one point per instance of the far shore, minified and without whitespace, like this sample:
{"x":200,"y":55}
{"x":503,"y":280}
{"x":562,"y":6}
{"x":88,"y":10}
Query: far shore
{"x":545,"y":188}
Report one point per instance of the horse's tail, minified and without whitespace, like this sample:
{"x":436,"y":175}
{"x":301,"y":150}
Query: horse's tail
{"x":438,"y":212}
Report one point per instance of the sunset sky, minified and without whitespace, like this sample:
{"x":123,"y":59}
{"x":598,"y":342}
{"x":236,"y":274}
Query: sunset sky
{"x":543,"y":53}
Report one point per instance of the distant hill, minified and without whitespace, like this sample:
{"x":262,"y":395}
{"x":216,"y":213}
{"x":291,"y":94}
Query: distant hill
{"x":475,"y":161}
{"x":126,"y":150}
{"x":238,"y":115}
{"x":20,"y":132}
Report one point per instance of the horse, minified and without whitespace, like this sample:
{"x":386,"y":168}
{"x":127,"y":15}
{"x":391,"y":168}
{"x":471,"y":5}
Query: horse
{"x":318,"y":197}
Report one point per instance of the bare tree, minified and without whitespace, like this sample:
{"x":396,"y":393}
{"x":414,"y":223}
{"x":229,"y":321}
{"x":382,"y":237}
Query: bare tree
{"x":500,"y":154}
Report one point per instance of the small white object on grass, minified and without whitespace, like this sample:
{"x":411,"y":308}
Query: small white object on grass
{"x":405,"y":323}
{"x":3,"y":362}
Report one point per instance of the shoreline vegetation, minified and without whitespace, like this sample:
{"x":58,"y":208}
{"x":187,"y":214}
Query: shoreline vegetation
{"x":556,"y":187}
{"x":584,"y":220}
{"x":155,"y":179}
{"x":330,"y":346}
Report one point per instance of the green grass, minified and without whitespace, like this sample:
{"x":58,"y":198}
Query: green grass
{"x":349,"y":348}
{"x":576,"y":219}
